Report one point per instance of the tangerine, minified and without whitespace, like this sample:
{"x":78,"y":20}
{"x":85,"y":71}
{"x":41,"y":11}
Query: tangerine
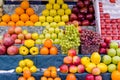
{"x":48,"y":43}
{"x":57,"y":78}
{"x":19,"y":11}
{"x":53,"y":74}
{"x":46,"y":73}
{"x":15,"y":17}
{"x":25,"y":4}
{"x":44,"y":51}
{"x":31,"y":78}
{"x":20,"y":23}
{"x":34,"y":18}
{"x":50,"y":78}
{"x":3,"y":24}
{"x":52,"y":68}
{"x":118,"y":66}
{"x":53,"y":50}
{"x":11,"y":23}
{"x":24,"y":17}
{"x":21,"y":78}
{"x":11,"y":30}
{"x":71,"y":77}
{"x":115,"y":75}
{"x":43,"y":78}
{"x":6,"y":18}
{"x":30,"y":11}
{"x":29,"y":23}
{"x":26,"y":73}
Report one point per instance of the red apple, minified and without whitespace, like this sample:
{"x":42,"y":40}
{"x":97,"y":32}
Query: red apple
{"x":118,"y":20}
{"x":73,"y":17}
{"x":103,"y":51}
{"x":72,"y":52}
{"x":114,"y":27}
{"x":80,"y":4}
{"x":8,"y":41}
{"x":2,"y":50}
{"x":73,"y":69}
{"x":102,"y":26}
{"x":114,"y":32}
{"x":64,"y":68}
{"x":103,"y":45}
{"x":107,"y":15}
{"x":18,"y":41}
{"x":115,"y":37}
{"x":113,"y":1}
{"x":14,"y":36}
{"x":68,"y":60}
{"x":12,"y":50}
{"x":101,"y":9}
{"x":107,"y":40}
{"x":96,"y":71}
{"x":6,"y":35}
{"x":109,"y":33}
{"x":89,"y":77}
{"x":76,"y":60}
{"x":91,"y":9}
{"x":107,"y":20}
{"x":81,"y":68}
{"x":85,"y":23}
{"x":100,"y":4}
{"x":118,"y":26}
{"x":113,"y":21}
{"x":103,"y":32}
{"x":98,"y":77}
{"x":101,"y":16}
{"x":107,"y":26}
{"x":75,"y":10}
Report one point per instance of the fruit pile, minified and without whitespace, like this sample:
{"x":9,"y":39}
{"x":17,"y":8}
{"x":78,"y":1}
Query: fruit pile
{"x":70,"y":39}
{"x":1,"y":9}
{"x":56,"y":11}
{"x":84,"y":13}
{"x":48,"y":48}
{"x":27,"y":76}
{"x":26,"y":64}
{"x":113,"y":56}
{"x":71,"y":77}
{"x":90,"y":41}
{"x":72,"y":63}
{"x":50,"y":74}
{"x":22,"y":16}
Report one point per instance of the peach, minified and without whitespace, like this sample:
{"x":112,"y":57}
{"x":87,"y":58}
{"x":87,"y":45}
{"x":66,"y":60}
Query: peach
{"x":96,"y":71}
{"x":76,"y":60}
{"x":28,"y":36}
{"x":18,"y":41}
{"x":64,"y":68}
{"x":21,"y":36}
{"x":14,"y":36}
{"x":73,"y":69}
{"x":72,"y":52}
{"x":81,"y":68}
{"x":11,"y":30}
{"x":18,"y":30}
{"x":67,"y":60}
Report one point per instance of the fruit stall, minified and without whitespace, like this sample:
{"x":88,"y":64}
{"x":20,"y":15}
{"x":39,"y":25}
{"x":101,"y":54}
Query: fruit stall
{"x":59,"y":40}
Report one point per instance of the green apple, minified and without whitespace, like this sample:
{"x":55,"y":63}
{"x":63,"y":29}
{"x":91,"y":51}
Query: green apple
{"x":60,"y":12}
{"x":111,"y":68}
{"x":68,"y":11}
{"x":57,"y":30}
{"x":51,"y":30}
{"x":60,"y":35}
{"x":53,"y":12}
{"x":61,"y":24}
{"x":114,"y":45}
{"x":48,"y":6}
{"x":57,"y":19}
{"x":45,"y":12}
{"x":41,"y":36}
{"x":53,"y":36}
{"x":45,"y":23}
{"x":38,"y":24}
{"x":111,"y":52}
{"x":107,"y":59}
{"x":118,"y":51}
{"x":56,"y":41}
{"x":35,"y":36}
{"x":38,"y":41}
{"x":24,"y":32}
{"x":115,"y":59}
{"x":42,"y":18}
{"x":53,"y":24}
{"x":65,"y":18}
{"x":64,"y":6}
{"x":49,"y":19}
{"x":45,"y":31}
{"x":47,"y":36}
{"x":47,"y":27}
{"x":56,"y":6}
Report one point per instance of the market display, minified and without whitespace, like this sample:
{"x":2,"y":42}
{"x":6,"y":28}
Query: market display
{"x":59,"y":44}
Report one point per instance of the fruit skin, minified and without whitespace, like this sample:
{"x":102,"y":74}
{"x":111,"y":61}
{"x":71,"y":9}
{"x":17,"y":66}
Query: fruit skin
{"x":98,"y":77}
{"x":111,"y":68}
{"x":107,"y":59}
{"x":29,"y":43}
{"x":53,"y":50}
{"x":18,"y":30}
{"x":21,"y":78}
{"x":103,"y":45}
{"x":73,"y":69}
{"x":26,"y":73}
{"x":23,"y":50}
{"x":28,"y":36}
{"x":12,"y":50}
{"x":67,"y":60}
{"x":85,"y":60}
{"x":118,"y":51}
{"x":103,"y":67}
{"x":21,"y":36}
{"x":2,"y":49}
{"x":33,"y":69}
{"x":81,"y":68}
{"x":8,"y":41}
{"x":14,"y":36}
{"x":34,"y":51}
{"x":44,"y":51}
{"x":72,"y":52}
{"x":89,"y":67}
{"x":95,"y":58}
{"x":48,"y":43}
{"x":89,"y":77}
{"x":71,"y":77}
{"x":18,"y":41}
{"x":76,"y":60}
{"x":25,"y":4}
{"x":114,"y":45}
{"x":64,"y":68}
{"x":111,"y":52}
{"x":35,"y":36}
{"x":18,"y":70}
{"x":96,"y":71}
{"x":115,"y":75}
{"x":115,"y":59}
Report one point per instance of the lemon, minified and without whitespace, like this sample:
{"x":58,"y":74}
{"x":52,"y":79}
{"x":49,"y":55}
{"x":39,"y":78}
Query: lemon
{"x":29,"y":43}
{"x":34,"y":50}
{"x":25,"y":68}
{"x":22,"y":63}
{"x":29,"y":63}
{"x":19,"y":70}
{"x":85,"y":60}
{"x":103,"y":67}
{"x":95,"y":58}
{"x":33,"y":69}
{"x":90,"y":66}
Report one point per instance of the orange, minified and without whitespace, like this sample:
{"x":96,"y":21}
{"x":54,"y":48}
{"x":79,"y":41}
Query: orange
{"x":52,"y":68}
{"x":31,"y":78}
{"x":34,"y":18}
{"x":53,"y":50}
{"x":50,"y":78}
{"x":26,"y":73}
{"x":44,"y":51}
{"x":21,"y":78}
{"x":71,"y":77}
{"x":30,"y":11}
{"x":24,"y":17}
{"x":115,"y":75}
{"x":48,"y":43}
{"x":20,"y":23}
{"x":43,"y":78}
{"x":25,"y":4}
{"x":6,"y":18}
{"x":46,"y":73}
{"x":11,"y":23}
{"x":57,"y":78}
{"x":53,"y":74}
{"x":15,"y":17}
{"x":29,"y":23}
{"x":19,"y":11}
{"x":118,"y":66}
{"x":3,"y":24}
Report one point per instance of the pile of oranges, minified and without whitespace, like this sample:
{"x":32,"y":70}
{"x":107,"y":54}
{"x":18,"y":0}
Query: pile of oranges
{"x":23,"y":15}
{"x":50,"y":74}
{"x":27,"y":76}
{"x":48,"y":48}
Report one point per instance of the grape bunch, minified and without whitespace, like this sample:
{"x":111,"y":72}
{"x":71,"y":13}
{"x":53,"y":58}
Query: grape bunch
{"x":90,"y":41}
{"x":70,"y":39}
